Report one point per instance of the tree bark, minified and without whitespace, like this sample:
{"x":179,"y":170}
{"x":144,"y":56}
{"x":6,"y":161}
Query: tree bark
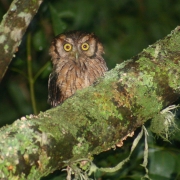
{"x":95,"y":118}
{"x":12,"y":29}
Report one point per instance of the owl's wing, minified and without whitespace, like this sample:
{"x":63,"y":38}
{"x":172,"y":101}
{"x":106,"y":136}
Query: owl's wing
{"x":54,"y":93}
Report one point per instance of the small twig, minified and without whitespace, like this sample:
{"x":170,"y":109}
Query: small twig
{"x":41,"y":70}
{"x":30,"y":74}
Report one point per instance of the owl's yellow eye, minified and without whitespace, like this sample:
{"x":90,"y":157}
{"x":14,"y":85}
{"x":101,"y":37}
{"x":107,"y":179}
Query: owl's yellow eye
{"x":85,"y":46}
{"x":67,"y":47}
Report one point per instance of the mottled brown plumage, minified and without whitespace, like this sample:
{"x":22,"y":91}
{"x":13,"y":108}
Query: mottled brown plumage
{"x":77,"y":63}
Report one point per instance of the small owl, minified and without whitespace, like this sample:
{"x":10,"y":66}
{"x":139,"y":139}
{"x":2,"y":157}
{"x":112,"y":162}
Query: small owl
{"x":77,"y":63}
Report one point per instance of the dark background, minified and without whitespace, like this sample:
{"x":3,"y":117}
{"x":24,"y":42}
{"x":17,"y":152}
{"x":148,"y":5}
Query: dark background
{"x":125,"y":27}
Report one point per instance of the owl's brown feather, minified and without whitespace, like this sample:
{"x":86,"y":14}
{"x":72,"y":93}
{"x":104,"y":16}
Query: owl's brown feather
{"x":75,"y":69}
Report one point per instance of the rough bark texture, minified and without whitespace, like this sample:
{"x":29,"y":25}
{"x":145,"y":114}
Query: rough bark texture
{"x":12,"y":29}
{"x":95,"y":118}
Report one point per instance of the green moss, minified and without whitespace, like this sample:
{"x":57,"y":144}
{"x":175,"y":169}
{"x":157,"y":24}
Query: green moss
{"x":6,"y":47}
{"x":81,"y":148}
{"x":173,"y":42}
{"x":147,"y":101}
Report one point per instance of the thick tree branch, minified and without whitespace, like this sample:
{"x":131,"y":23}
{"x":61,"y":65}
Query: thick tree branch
{"x":12,"y":29}
{"x":95,"y":118}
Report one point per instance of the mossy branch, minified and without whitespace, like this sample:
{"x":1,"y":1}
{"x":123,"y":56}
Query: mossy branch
{"x":96,"y":118}
{"x":12,"y":29}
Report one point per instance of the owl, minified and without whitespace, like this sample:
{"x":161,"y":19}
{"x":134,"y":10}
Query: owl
{"x":77,"y":63}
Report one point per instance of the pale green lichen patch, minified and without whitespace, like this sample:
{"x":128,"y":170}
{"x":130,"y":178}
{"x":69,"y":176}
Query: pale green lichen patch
{"x":6,"y":47}
{"x":16,"y":34}
{"x":13,"y":7}
{"x":39,"y":2}
{"x":2,"y":39}
{"x":6,"y":29}
{"x":26,"y":16}
{"x":146,"y":79}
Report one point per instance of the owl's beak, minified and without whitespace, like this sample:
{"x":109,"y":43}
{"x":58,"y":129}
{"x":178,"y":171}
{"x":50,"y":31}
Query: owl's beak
{"x":77,"y":56}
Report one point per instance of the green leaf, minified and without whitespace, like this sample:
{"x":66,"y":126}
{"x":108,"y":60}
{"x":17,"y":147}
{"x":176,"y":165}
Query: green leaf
{"x":58,"y":24}
{"x":162,"y":164}
{"x":39,"y":40}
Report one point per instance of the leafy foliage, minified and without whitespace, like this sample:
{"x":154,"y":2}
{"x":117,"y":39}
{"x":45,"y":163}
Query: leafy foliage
{"x":125,"y":28}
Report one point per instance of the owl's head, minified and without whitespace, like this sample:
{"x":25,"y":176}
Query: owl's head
{"x":74,"y":45}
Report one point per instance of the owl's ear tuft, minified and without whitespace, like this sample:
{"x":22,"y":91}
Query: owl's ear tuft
{"x":100,"y":49}
{"x":52,"y":51}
